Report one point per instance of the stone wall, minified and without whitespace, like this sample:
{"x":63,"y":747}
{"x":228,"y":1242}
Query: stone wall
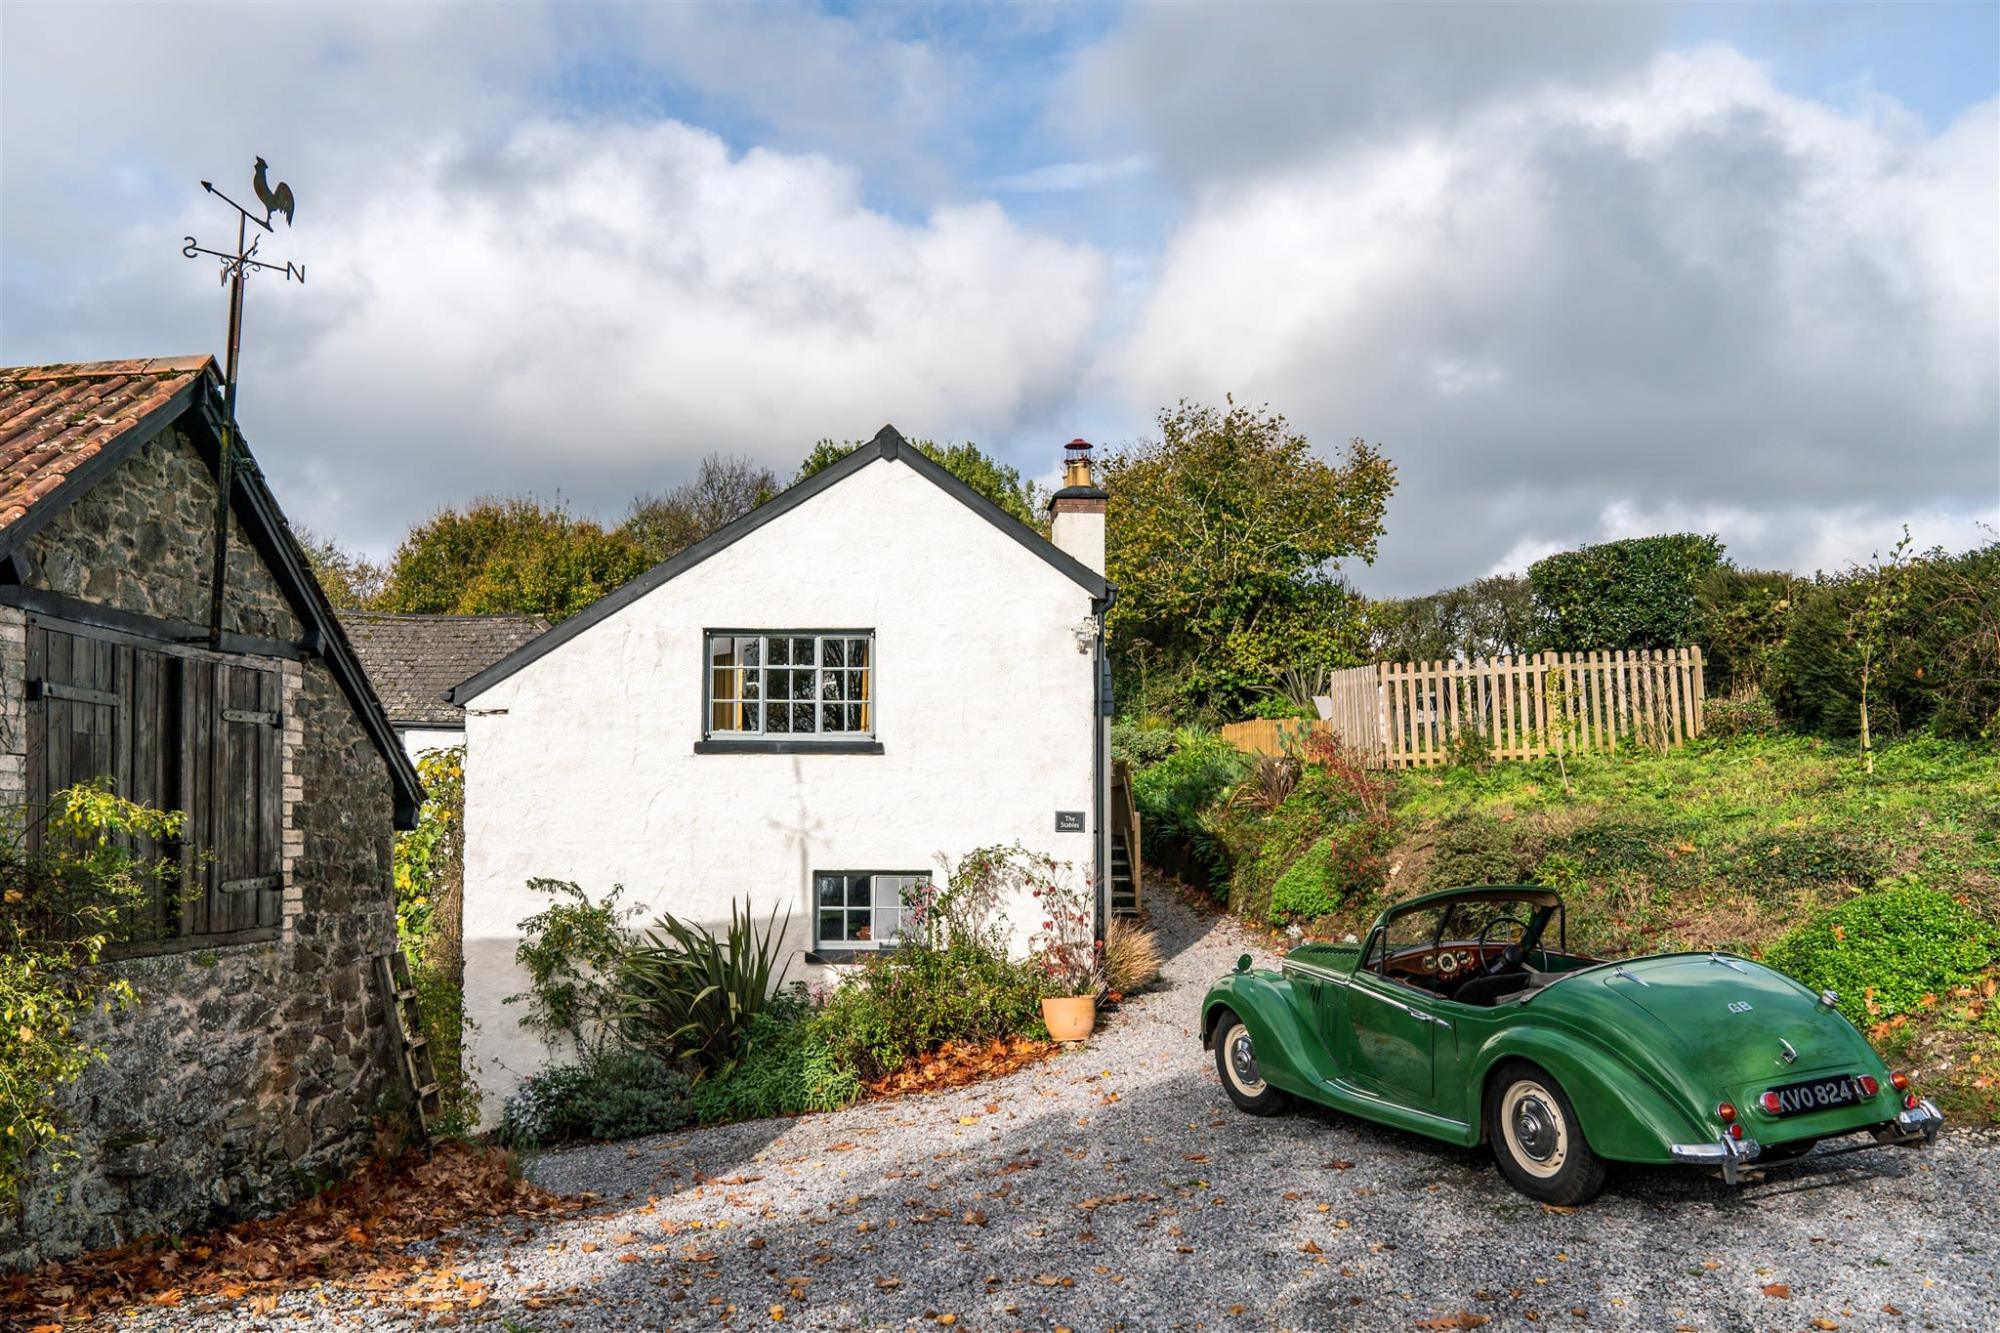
{"x":142,"y":540}
{"x":248,"y":1074}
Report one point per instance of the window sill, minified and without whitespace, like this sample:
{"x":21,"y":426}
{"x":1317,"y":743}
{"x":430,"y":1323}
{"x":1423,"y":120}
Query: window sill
{"x":845,"y":957}
{"x":766,"y":746}
{"x":131,"y":952}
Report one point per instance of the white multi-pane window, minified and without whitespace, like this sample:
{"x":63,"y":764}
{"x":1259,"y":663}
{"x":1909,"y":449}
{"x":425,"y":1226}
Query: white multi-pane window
{"x":862,"y":909}
{"x":772,"y":683}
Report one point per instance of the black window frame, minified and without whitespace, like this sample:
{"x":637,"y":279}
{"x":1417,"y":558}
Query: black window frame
{"x":762,"y":740}
{"x":841,"y":950}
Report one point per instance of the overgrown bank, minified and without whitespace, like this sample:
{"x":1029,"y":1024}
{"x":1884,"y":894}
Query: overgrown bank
{"x":1884,"y":887}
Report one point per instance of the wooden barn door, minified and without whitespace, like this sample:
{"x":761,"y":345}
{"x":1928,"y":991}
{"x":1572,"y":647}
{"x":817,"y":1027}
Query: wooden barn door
{"x":102,"y":708}
{"x":230,"y":735}
{"x":173,"y":732}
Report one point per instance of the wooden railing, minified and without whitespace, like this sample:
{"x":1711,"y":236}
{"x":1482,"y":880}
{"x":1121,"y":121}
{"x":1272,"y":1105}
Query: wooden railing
{"x":1413,"y":714}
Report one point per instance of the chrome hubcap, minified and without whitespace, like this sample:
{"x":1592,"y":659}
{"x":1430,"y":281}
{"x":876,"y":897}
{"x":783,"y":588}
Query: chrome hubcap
{"x":1243,"y":1059}
{"x":1534,"y":1128}
{"x":1532,"y":1124}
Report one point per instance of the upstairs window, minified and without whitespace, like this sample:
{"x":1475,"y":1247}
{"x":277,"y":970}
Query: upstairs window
{"x":791,"y":684}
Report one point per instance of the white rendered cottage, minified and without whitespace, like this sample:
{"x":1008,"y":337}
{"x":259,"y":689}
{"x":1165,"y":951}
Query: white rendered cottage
{"x":877,"y":671}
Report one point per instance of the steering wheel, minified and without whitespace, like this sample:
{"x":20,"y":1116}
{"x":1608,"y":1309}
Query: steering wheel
{"x":1510,"y":957}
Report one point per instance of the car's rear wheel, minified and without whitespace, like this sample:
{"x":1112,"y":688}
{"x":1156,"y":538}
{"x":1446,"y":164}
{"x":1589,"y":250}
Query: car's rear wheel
{"x":1536,"y":1138}
{"x":1242,"y":1077}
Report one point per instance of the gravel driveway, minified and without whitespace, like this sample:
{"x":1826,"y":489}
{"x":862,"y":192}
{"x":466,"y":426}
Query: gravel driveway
{"x":1114,"y":1187}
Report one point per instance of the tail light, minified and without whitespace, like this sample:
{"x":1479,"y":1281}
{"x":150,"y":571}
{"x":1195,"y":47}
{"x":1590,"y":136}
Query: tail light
{"x":1899,"y":1081}
{"x":1910,"y":1101}
{"x":1769,"y":1101}
{"x":1736,"y":1131}
{"x":1727,"y":1112}
{"x":1869,"y":1087}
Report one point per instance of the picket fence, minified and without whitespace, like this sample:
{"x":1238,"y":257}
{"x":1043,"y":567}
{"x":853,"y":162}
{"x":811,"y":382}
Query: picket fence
{"x":1409,"y":714}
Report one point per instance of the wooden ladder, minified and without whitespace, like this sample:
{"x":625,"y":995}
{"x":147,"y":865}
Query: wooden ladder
{"x":419,"y":1070}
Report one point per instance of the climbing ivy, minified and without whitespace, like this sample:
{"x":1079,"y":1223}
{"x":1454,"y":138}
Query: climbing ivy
{"x":430,"y":891}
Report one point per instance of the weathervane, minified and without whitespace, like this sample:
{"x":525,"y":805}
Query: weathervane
{"x":277,"y":203}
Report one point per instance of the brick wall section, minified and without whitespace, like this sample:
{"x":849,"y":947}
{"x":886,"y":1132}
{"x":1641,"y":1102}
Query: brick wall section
{"x":291,"y":830}
{"x":248,"y":1074}
{"x":13,"y":702}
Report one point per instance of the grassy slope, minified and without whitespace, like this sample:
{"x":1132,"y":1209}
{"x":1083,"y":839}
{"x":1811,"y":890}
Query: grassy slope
{"x":1730,"y":845}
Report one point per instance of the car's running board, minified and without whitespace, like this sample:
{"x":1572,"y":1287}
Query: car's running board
{"x":1360,"y":1101}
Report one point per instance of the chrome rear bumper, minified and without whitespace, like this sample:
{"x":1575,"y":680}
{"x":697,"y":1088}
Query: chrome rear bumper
{"x":1917,"y":1125}
{"x":1725,"y":1152}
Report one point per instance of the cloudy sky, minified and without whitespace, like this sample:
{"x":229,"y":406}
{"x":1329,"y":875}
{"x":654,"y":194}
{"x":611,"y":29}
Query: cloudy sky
{"x":1581,"y":271}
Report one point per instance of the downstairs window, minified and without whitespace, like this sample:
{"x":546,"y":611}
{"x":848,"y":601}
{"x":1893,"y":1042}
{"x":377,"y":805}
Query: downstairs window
{"x":862,"y":909}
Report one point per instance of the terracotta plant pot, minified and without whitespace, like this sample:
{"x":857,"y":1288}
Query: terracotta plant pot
{"x":1070,"y":1017}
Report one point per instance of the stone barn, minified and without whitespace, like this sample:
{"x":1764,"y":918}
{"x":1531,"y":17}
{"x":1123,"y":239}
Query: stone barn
{"x":258,"y":1061}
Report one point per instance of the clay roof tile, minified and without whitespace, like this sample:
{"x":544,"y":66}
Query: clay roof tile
{"x":55,"y":418}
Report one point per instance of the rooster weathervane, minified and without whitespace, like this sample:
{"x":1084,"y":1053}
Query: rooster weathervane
{"x":235,"y":267}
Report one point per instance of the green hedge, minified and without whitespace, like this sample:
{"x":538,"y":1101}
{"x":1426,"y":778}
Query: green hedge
{"x":1637,"y":593}
{"x":1942,"y":669}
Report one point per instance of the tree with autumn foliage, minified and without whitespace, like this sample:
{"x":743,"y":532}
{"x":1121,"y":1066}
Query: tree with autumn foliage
{"x":1224,"y":538}
{"x":515,"y":555}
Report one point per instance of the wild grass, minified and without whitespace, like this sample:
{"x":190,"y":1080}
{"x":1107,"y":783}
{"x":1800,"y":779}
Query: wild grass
{"x":1737,"y":844}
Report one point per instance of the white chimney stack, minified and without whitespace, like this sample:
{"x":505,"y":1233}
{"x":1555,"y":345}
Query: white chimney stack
{"x":1076,"y":512}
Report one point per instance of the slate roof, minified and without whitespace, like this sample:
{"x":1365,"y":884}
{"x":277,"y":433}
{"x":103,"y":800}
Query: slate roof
{"x":413,"y":660}
{"x":56,"y":419}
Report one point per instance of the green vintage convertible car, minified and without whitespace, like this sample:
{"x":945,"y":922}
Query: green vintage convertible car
{"x":1464,"y":1016}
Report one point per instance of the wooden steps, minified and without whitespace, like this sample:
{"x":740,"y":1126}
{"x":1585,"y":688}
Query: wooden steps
{"x":1124,"y":890}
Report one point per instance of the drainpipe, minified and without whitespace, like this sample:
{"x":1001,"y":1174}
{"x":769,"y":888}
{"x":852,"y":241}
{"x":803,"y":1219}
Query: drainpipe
{"x":1100,"y":749}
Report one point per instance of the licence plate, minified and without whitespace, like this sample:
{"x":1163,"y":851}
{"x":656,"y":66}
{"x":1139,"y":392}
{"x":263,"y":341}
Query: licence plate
{"x":1817,"y":1094}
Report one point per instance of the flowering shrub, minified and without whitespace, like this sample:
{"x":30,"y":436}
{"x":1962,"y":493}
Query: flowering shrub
{"x":1067,"y":949}
{"x":951,"y":981}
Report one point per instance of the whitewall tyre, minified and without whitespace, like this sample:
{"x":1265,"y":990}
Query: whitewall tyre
{"x":1236,"y":1063}
{"x":1536,"y":1138}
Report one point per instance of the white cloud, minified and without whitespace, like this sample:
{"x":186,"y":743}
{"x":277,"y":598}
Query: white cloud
{"x":1680,"y":290}
{"x":591,"y":307}
{"x":523,"y":273}
{"x":1803,"y":539}
{"x":851,"y":84}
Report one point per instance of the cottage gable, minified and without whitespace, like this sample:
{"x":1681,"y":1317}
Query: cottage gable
{"x":888,"y":447}
{"x":107,"y":495}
